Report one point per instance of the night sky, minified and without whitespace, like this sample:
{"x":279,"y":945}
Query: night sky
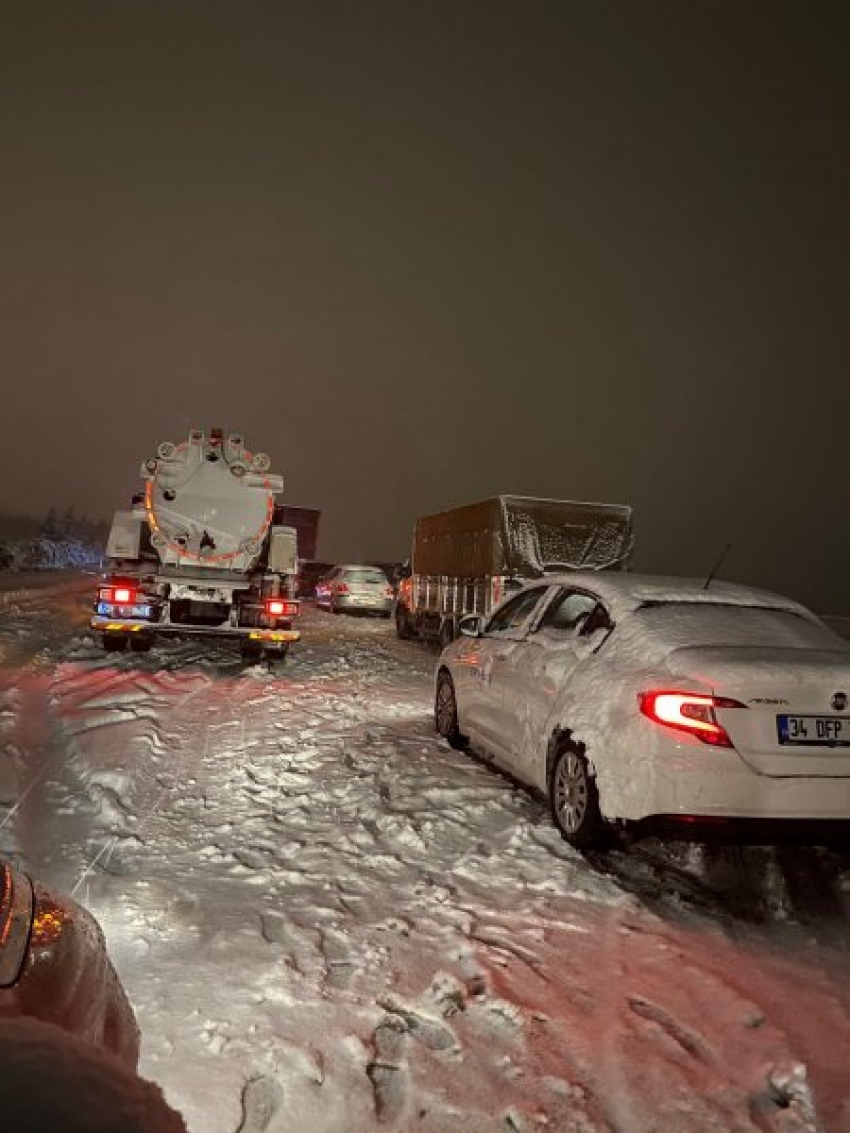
{"x":423,"y":253}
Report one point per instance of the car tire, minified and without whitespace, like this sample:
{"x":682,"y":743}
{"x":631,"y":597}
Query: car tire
{"x":574,"y":798}
{"x":114,"y":642}
{"x":445,"y":713}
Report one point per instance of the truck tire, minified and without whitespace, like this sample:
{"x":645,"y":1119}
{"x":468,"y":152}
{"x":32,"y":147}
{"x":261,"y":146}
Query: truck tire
{"x":278,"y":657}
{"x":574,"y":799}
{"x":141,"y":643}
{"x":115,"y":642}
{"x":251,"y":652}
{"x":447,"y":632}
{"x":402,"y":623}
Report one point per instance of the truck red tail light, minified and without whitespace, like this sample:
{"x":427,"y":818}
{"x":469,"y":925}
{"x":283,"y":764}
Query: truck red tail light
{"x":119,"y":595}
{"x":281,"y":608}
{"x":689,"y":712}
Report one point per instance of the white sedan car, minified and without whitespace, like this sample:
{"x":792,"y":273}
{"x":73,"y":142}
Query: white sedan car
{"x":624,"y":697}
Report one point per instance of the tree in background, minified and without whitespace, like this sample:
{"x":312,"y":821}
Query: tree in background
{"x":68,"y":524}
{"x":52,"y":527}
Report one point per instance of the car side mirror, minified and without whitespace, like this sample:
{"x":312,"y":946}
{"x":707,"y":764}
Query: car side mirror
{"x":595,"y":624}
{"x":471,"y":626}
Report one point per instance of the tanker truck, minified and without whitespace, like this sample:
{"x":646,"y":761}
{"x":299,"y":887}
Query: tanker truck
{"x":200,"y":553}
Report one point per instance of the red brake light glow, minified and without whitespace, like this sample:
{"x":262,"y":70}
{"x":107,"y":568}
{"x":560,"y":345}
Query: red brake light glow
{"x":280,"y":608}
{"x":118,"y":595}
{"x":341,"y":587}
{"x":690,"y":712}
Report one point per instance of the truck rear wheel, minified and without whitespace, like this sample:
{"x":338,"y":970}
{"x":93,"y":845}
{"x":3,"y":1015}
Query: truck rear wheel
{"x":276,"y":657}
{"x":141,"y":643}
{"x":402,"y":623}
{"x":115,"y":642}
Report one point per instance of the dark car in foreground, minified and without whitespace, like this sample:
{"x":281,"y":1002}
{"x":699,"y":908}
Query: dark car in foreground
{"x":54,"y":967}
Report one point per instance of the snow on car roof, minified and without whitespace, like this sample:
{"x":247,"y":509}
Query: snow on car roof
{"x":624,"y":592}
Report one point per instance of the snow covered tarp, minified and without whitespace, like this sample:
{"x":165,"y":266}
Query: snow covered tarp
{"x":523,"y":537}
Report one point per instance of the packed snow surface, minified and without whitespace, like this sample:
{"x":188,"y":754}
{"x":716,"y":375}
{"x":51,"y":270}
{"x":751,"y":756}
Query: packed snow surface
{"x":329,"y":922}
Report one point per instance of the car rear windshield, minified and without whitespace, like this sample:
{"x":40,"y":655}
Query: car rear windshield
{"x":724,"y":623}
{"x":365,"y":576}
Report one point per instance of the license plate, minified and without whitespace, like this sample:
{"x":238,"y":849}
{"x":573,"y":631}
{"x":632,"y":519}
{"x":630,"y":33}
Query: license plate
{"x":818,"y":731}
{"x":108,"y":610}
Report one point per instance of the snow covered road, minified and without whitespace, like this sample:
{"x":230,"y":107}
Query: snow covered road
{"x":329,"y":922}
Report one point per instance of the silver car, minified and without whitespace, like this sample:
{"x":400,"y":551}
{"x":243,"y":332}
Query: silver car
{"x":353,"y":587}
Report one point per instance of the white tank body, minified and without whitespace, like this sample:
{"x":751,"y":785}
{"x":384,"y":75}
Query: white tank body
{"x":209,"y":502}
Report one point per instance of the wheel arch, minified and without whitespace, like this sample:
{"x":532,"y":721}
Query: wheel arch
{"x":444,"y":670}
{"x":562,"y":735}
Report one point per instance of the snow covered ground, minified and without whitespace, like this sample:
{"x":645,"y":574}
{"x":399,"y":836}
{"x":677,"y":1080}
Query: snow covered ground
{"x":329,"y":922}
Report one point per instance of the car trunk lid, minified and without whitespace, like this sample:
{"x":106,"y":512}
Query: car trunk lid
{"x":366,"y":585}
{"x":797,"y":716}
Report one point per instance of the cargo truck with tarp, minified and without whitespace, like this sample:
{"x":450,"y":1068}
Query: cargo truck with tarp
{"x":466,"y":560}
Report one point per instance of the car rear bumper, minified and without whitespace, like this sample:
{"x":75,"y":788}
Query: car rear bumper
{"x":729,"y":789}
{"x":352,"y":602}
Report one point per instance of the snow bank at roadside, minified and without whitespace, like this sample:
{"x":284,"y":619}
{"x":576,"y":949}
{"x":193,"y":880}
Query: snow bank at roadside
{"x":49,"y":554}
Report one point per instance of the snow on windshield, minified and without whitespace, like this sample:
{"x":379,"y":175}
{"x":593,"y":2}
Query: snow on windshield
{"x":357,"y":575}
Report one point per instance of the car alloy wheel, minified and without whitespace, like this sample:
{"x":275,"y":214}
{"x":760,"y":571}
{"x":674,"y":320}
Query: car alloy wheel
{"x":574,"y":799}
{"x":445,"y":713}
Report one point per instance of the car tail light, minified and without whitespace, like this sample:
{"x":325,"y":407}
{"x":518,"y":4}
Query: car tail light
{"x":16,"y":913}
{"x":280,"y":608}
{"x":690,"y":712}
{"x":388,"y":592}
{"x":341,"y":588}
